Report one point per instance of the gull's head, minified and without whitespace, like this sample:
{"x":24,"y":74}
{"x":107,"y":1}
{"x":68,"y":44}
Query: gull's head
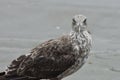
{"x":79,"y":23}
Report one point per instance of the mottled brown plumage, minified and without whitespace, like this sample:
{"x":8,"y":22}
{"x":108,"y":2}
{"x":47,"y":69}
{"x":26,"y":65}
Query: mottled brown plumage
{"x":55,"y":58}
{"x":49,"y":59}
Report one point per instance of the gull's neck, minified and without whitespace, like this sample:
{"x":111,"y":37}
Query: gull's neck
{"x":76,"y":35}
{"x":81,"y":39}
{"x":76,"y":39}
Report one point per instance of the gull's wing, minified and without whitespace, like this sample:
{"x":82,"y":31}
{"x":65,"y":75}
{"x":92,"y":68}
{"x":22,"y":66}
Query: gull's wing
{"x":49,"y":59}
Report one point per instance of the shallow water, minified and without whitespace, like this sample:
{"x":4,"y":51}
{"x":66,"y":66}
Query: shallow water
{"x":26,"y":23}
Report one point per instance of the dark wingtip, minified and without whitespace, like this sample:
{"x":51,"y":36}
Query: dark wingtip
{"x":2,"y":73}
{"x":2,"y":76}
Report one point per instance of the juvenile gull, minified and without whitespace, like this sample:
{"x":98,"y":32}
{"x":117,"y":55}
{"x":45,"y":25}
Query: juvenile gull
{"x":55,"y":58}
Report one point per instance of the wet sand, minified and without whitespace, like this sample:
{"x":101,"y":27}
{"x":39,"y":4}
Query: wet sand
{"x":26,"y":23}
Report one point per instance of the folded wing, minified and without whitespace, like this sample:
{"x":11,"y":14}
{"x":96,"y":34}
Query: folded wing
{"x":49,"y":59}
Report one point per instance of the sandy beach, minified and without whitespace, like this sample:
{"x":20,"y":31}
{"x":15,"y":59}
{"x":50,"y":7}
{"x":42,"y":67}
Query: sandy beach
{"x":27,"y":23}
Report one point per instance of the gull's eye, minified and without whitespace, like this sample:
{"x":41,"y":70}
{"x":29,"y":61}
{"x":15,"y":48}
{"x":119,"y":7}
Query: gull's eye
{"x":85,"y":22}
{"x":73,"y":21}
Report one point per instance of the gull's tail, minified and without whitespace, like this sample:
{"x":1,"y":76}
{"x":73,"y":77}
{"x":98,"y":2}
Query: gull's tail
{"x":11,"y":71}
{"x":3,"y":76}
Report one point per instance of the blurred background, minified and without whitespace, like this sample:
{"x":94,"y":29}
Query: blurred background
{"x":26,"y":23}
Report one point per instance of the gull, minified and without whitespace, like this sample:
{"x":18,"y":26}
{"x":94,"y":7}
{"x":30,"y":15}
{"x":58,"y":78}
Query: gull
{"x":54,"y":59}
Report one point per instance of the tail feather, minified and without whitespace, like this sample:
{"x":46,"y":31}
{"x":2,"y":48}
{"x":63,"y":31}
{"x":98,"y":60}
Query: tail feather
{"x":11,"y":71}
{"x":2,"y":76}
{"x":15,"y":77}
{"x":12,"y":68}
{"x":2,"y":73}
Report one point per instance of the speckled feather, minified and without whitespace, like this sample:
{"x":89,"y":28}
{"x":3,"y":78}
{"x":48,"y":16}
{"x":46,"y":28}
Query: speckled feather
{"x":55,"y":58}
{"x":49,"y":59}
